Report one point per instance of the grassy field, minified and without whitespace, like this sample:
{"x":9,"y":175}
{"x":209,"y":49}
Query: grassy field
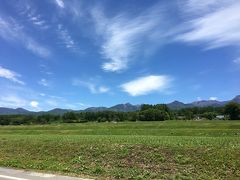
{"x":137,"y":150}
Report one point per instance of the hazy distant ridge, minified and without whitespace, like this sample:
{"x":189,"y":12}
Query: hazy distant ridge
{"x":121,"y":107}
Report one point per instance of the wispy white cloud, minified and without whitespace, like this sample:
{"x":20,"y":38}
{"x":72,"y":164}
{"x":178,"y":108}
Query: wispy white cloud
{"x":45,"y":69}
{"x":66,"y":38}
{"x":60,"y":102}
{"x":11,"y":31}
{"x":72,"y":8}
{"x":38,"y":21}
{"x":147,"y":84}
{"x":60,"y":3}
{"x":123,"y":35}
{"x":26,"y":98}
{"x":217,"y":24}
{"x":198,"y":7}
{"x":82,"y":104}
{"x":92,"y":86}
{"x":37,"y":48}
{"x":32,"y":16}
{"x":12,"y":100}
{"x":11,"y":75}
{"x":52,"y":102}
{"x":103,"y":89}
{"x":43,"y":82}
{"x":15,"y":96}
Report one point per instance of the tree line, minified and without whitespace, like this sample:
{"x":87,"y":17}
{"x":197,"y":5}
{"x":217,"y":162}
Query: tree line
{"x":158,"y":112}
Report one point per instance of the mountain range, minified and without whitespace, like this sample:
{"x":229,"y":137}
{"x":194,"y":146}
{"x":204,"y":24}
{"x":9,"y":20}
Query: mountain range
{"x":121,"y":107}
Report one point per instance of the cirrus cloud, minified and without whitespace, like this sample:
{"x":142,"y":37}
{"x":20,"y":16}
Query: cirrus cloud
{"x":93,"y":87}
{"x":12,"y":31}
{"x":123,"y":35}
{"x":216,"y":25}
{"x":10,"y":75}
{"x":60,"y":3}
{"x":43,"y":82}
{"x":12,"y":100}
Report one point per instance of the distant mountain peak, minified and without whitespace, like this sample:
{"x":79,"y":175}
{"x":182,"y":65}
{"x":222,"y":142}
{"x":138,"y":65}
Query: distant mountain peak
{"x":176,"y":102}
{"x":126,"y":107}
{"x":4,"y":110}
{"x":236,"y":99}
{"x":205,"y":103}
{"x":176,"y":105}
{"x":21,"y":109}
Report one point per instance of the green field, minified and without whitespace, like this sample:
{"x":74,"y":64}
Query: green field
{"x":137,"y":150}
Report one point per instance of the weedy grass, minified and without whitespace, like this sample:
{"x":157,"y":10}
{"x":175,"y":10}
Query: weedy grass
{"x":128,"y":150}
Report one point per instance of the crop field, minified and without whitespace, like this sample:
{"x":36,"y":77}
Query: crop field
{"x":128,"y":150}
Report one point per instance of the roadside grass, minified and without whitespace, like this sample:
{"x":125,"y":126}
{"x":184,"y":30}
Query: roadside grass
{"x":129,"y":150}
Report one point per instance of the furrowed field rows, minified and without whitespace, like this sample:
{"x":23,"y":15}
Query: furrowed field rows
{"x":153,"y":150}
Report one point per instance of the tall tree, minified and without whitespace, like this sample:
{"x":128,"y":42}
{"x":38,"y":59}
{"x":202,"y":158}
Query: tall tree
{"x":233,"y":110}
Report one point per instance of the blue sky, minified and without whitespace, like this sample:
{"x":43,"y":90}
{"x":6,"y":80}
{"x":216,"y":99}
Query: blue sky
{"x":80,"y":53}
